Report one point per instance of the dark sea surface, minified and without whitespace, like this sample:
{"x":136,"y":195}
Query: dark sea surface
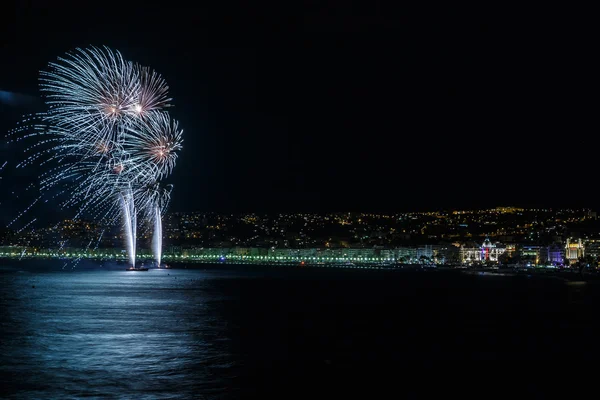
{"x":230,"y":332}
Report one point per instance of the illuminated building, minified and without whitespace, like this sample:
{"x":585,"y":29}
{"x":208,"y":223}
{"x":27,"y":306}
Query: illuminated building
{"x":510,"y":249}
{"x":487,"y":252}
{"x":573,"y":250}
{"x":530,"y":253}
{"x":553,"y":254}
{"x":592,"y":248}
{"x":426,"y":251}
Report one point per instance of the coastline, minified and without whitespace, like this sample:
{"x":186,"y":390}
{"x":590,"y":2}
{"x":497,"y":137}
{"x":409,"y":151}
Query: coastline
{"x":567,"y":275}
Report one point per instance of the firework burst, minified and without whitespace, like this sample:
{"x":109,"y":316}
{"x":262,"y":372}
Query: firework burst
{"x":105,"y":136}
{"x":152,"y":93}
{"x":153,"y":143}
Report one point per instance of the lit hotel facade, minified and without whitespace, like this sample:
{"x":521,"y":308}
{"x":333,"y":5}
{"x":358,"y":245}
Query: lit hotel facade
{"x":488,"y":252}
{"x":573,"y":250}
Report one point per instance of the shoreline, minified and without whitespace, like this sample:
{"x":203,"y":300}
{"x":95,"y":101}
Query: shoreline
{"x":538,"y":273}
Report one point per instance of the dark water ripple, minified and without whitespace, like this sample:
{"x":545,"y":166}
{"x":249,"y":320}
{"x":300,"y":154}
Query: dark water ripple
{"x":111,"y":333}
{"x":237,"y":333}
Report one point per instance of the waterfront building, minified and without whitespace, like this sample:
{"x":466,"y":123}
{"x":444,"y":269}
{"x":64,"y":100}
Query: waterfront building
{"x":530,"y":253}
{"x":553,"y":254}
{"x":425,"y":251}
{"x":573,"y":249}
{"x":449,"y":254}
{"x":592,"y":248}
{"x":488,"y":252}
{"x":388,"y":254}
{"x":406,"y":254}
{"x":511,"y":248}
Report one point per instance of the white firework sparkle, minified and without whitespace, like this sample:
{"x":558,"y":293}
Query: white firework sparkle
{"x":104,"y":136}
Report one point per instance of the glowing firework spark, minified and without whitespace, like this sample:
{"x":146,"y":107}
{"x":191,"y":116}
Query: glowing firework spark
{"x":153,"y":143}
{"x":152,"y":93}
{"x":105,"y":143}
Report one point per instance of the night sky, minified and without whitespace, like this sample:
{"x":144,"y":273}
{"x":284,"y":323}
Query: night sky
{"x":326,"y":106}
